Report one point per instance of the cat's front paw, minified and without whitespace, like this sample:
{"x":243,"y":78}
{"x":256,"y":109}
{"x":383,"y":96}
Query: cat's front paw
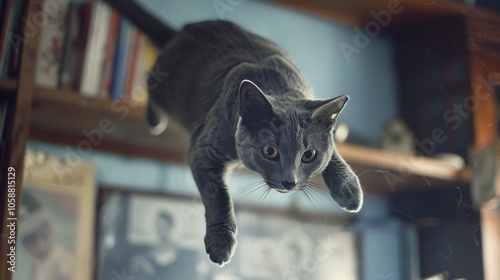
{"x":220,"y":243}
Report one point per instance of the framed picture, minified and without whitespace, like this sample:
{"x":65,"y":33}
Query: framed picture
{"x":158,"y":236}
{"x":56,"y":223}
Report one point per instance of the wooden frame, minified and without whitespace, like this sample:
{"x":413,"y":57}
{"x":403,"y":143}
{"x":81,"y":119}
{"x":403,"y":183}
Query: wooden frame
{"x":57,"y":210}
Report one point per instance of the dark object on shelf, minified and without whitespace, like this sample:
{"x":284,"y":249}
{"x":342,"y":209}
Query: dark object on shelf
{"x":398,"y":138}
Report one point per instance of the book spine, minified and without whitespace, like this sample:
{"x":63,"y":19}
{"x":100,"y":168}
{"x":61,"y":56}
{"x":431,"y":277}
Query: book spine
{"x":133,"y":65}
{"x":139,"y":90}
{"x":110,"y":54}
{"x":63,"y":75}
{"x":120,"y":60}
{"x":85,"y":15}
{"x":89,"y":61}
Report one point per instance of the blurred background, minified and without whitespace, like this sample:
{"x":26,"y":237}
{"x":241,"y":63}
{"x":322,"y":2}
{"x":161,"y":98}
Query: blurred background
{"x":420,"y":131}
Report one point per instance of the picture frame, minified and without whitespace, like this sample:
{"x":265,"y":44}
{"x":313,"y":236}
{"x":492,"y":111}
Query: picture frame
{"x":272,"y":243}
{"x":56,"y":234}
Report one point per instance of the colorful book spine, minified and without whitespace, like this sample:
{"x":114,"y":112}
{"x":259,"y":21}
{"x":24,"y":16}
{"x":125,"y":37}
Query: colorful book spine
{"x":90,"y":48}
{"x":110,"y":54}
{"x":149,"y":53}
{"x":120,"y":60}
{"x":133,"y":65}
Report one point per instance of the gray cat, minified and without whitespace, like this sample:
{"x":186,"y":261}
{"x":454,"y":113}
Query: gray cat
{"x":243,"y":100}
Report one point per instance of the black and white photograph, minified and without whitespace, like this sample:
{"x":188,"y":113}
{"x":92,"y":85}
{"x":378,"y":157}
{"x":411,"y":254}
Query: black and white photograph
{"x":155,"y":236}
{"x":54,"y":240}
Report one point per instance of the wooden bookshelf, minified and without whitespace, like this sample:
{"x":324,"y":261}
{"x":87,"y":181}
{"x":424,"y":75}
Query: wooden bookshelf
{"x":60,"y":116}
{"x":8,"y":84}
{"x":66,"y":117}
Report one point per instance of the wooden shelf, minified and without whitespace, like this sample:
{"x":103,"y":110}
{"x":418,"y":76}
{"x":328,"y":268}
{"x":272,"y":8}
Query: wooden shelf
{"x":65,"y":117}
{"x":357,"y":13}
{"x":8,"y":84}
{"x":385,"y":172}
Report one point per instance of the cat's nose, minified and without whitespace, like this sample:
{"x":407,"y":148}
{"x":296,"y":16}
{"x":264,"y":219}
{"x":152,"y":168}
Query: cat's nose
{"x":288,"y":185}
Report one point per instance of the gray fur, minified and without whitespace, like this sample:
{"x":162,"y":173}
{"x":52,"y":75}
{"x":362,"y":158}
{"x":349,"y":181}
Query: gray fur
{"x":236,"y":93}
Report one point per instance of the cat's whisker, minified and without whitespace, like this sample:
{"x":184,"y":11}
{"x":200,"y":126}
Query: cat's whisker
{"x":263,"y":199}
{"x":260,"y":193}
{"x":320,"y":191}
{"x":312,"y":199}
{"x":256,"y":191}
{"x":243,"y":194}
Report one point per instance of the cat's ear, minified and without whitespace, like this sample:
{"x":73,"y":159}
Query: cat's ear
{"x":328,"y":110}
{"x":254,"y":105}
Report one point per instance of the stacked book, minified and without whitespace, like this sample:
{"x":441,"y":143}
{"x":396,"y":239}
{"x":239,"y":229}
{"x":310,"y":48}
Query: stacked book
{"x":10,"y":38}
{"x":91,"y":48}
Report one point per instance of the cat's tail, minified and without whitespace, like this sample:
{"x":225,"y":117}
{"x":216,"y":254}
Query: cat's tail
{"x":157,"y":119}
{"x":156,"y":30}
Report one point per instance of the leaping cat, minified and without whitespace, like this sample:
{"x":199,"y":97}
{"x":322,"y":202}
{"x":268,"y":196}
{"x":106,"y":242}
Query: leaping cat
{"x":243,"y":100}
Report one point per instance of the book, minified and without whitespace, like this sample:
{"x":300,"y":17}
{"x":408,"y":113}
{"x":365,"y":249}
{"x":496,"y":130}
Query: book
{"x":95,"y":50}
{"x":150,"y":53}
{"x":85,"y":13}
{"x":50,"y":48}
{"x":138,"y":87}
{"x":100,"y":53}
{"x":110,"y":53}
{"x":133,"y":66}
{"x":71,"y":37}
{"x":120,"y":60}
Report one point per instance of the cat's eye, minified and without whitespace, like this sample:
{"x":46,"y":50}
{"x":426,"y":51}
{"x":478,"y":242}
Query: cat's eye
{"x":308,"y":156}
{"x":270,"y":152}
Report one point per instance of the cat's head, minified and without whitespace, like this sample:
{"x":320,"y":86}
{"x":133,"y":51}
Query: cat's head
{"x":288,"y":141}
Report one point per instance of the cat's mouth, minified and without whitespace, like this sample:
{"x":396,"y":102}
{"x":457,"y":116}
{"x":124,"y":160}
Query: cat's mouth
{"x":284,"y":191}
